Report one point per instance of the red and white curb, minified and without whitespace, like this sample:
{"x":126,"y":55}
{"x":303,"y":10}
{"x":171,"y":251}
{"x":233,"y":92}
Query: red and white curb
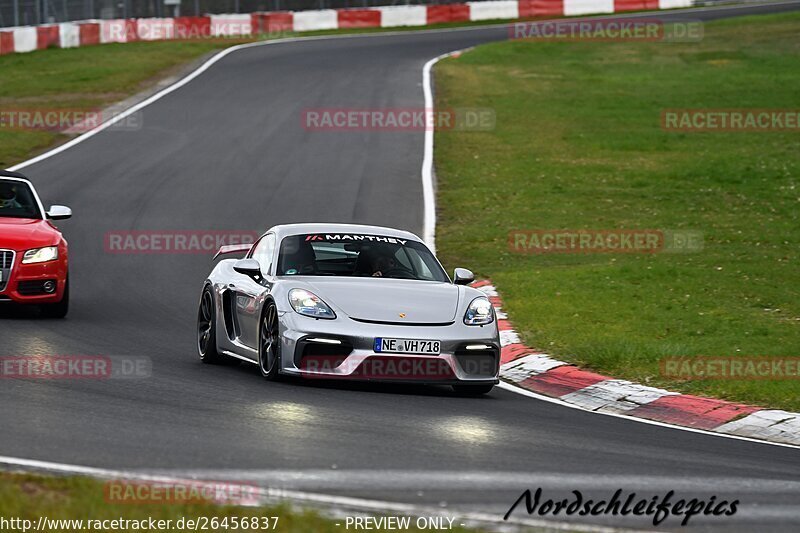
{"x":91,"y":32}
{"x":537,"y":372}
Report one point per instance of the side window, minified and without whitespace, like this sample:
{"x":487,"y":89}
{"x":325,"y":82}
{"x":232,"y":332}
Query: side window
{"x":264,"y":252}
{"x":421,"y":269}
{"x":401,"y":256}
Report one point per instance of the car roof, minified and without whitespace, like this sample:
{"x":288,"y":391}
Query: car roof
{"x":10,"y":174}
{"x":285,"y":230}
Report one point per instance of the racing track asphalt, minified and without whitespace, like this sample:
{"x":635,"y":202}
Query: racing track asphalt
{"x":228,"y":152}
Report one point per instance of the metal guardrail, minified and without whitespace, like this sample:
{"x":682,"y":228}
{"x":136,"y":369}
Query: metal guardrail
{"x":29,"y":12}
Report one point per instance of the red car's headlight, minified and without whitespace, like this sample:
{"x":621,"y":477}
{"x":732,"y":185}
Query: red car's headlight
{"x":40,"y":255}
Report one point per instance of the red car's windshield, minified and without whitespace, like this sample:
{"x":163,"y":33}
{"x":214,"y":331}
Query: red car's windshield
{"x":17,"y":200}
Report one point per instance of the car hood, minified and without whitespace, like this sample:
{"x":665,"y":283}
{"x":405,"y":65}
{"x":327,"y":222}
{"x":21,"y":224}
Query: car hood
{"x":385,"y":300}
{"x":24,"y":233}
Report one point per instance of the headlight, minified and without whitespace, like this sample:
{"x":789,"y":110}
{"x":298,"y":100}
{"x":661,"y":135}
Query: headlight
{"x":479,"y":312}
{"x":40,"y":255}
{"x":309,"y":304}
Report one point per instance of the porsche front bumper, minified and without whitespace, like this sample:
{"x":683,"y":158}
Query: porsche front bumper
{"x":344,"y":348}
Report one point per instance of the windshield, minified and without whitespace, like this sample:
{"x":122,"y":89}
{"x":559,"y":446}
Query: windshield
{"x":17,"y":200}
{"x":357,"y":255}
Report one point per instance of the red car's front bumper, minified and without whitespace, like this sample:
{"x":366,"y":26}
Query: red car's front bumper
{"x":28,"y":283}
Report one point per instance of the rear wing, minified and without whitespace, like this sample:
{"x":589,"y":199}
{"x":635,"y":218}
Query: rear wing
{"x":233,"y":248}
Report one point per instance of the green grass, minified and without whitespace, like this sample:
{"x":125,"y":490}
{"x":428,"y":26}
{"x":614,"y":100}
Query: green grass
{"x":578,"y":144}
{"x":29,"y":497}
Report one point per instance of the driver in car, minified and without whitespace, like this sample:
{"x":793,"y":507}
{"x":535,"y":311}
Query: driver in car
{"x":8,"y":198}
{"x":381,"y":264}
{"x":375,"y":261}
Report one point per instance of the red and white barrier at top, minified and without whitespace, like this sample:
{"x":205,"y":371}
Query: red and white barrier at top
{"x":84,"y":33}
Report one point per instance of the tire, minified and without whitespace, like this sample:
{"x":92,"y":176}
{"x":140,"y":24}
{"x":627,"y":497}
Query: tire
{"x":207,"y":330}
{"x":473,"y":390}
{"x":269,"y":343}
{"x":59,"y":309}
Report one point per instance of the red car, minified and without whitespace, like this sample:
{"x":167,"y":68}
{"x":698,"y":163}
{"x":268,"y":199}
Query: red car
{"x":33,"y":253}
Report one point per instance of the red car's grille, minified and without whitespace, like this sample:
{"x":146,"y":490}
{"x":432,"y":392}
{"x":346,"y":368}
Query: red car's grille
{"x":6,"y":262}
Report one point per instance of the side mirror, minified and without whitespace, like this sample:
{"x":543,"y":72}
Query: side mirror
{"x":248,"y":267}
{"x":59,"y":212}
{"x":462,"y":276}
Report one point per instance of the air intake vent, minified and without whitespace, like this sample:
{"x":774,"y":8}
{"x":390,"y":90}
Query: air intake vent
{"x":475,"y":363}
{"x":317,"y":356}
{"x":365,"y":321}
{"x":33,"y":288}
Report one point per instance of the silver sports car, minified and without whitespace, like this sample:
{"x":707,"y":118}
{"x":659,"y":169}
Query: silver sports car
{"x":328,"y":301}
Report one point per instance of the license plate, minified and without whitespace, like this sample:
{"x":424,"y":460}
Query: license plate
{"x":411,"y":346}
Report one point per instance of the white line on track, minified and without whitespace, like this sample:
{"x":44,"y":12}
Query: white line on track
{"x":428,"y":188}
{"x":477,"y":481}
